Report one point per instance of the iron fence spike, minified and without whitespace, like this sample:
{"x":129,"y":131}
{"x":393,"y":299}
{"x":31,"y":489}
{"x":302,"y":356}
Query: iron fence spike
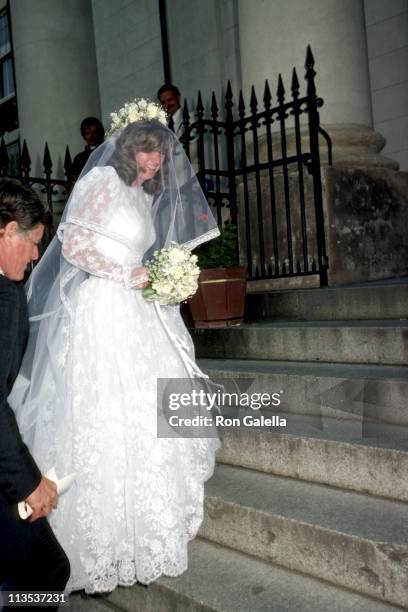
{"x":47,"y":162}
{"x":310,"y":62}
{"x":228,"y":93}
{"x":214,"y":107}
{"x":186,"y":114}
{"x":4,"y":159}
{"x":253,"y":102}
{"x":295,"y":82}
{"x":68,"y":164}
{"x":267,"y":95}
{"x":200,"y":106}
{"x":280,"y":92}
{"x":241,"y":103}
{"x":25,"y":159}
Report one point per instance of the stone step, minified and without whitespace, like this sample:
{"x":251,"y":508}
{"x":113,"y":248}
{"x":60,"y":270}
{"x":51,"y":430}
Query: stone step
{"x":366,"y":342}
{"x":341,"y":454}
{"x":219,"y":579}
{"x":342,"y":391}
{"x":352,"y":540}
{"x":383,"y":300}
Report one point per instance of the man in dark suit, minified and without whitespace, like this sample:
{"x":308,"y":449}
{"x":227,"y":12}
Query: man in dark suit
{"x":92,"y":131}
{"x":169,"y":97}
{"x":31,"y":559}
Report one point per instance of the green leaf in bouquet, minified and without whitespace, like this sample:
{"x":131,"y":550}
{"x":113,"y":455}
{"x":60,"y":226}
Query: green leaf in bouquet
{"x":149,"y":293}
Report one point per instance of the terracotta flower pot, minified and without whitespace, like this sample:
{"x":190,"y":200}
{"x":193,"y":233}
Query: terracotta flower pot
{"x":220,"y":298}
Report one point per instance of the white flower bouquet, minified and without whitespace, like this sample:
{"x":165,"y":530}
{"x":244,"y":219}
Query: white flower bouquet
{"x":173,"y":275}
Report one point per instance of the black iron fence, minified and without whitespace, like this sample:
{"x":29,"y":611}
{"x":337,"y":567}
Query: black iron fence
{"x":53,"y":189}
{"x":260,"y":169}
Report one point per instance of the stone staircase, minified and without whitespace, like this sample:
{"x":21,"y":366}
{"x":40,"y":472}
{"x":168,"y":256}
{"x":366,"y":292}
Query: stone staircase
{"x":312,"y":516}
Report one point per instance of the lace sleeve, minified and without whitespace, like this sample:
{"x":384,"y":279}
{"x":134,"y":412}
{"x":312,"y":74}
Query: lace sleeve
{"x":88,"y":250}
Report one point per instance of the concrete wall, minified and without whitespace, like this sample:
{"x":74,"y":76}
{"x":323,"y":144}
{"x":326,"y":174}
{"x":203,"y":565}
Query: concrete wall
{"x":203,"y":43}
{"x":387,"y":39}
{"x":56,"y":79}
{"x":204,"y":47}
{"x":80,"y":45}
{"x":274,"y":37}
{"x":128,"y":50}
{"x":248,"y":41}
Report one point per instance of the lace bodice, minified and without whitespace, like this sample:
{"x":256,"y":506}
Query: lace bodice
{"x":109,"y":228}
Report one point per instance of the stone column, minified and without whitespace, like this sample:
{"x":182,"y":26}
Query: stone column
{"x":56,"y":75}
{"x":363,"y":197}
{"x":273,"y":39}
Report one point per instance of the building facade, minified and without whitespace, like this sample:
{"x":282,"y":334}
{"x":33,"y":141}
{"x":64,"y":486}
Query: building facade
{"x":62,"y":60}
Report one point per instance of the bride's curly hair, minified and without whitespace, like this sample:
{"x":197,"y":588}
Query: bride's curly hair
{"x":143,"y":137}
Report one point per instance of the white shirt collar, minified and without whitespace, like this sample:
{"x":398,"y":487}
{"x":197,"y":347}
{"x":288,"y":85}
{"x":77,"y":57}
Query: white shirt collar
{"x":177,"y":114}
{"x":178,"y":120}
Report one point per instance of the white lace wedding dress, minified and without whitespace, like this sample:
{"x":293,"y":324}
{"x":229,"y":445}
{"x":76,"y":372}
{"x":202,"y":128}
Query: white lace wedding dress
{"x":138,"y":499}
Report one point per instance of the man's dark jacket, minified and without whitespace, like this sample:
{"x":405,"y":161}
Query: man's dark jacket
{"x":19,"y":475}
{"x":79,"y":162}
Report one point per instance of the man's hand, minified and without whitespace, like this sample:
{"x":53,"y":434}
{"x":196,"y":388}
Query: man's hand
{"x":43,"y":499}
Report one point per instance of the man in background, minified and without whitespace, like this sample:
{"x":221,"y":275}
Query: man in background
{"x":92,"y":132}
{"x":169,"y":97}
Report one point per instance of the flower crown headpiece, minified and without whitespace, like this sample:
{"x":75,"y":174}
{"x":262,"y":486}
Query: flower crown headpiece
{"x":138,"y":110}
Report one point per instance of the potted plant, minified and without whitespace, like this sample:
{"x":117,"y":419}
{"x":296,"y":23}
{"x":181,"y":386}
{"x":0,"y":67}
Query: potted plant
{"x":220,"y":298}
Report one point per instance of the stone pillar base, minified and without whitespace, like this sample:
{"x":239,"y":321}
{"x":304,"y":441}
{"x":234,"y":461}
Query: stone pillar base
{"x":357,"y":146}
{"x":366,"y":216}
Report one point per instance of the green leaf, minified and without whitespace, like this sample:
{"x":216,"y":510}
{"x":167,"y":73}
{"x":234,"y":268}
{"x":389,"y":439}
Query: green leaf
{"x":149,"y":293}
{"x":221,"y":252}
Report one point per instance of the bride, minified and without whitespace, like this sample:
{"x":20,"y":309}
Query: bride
{"x":86,"y":397}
